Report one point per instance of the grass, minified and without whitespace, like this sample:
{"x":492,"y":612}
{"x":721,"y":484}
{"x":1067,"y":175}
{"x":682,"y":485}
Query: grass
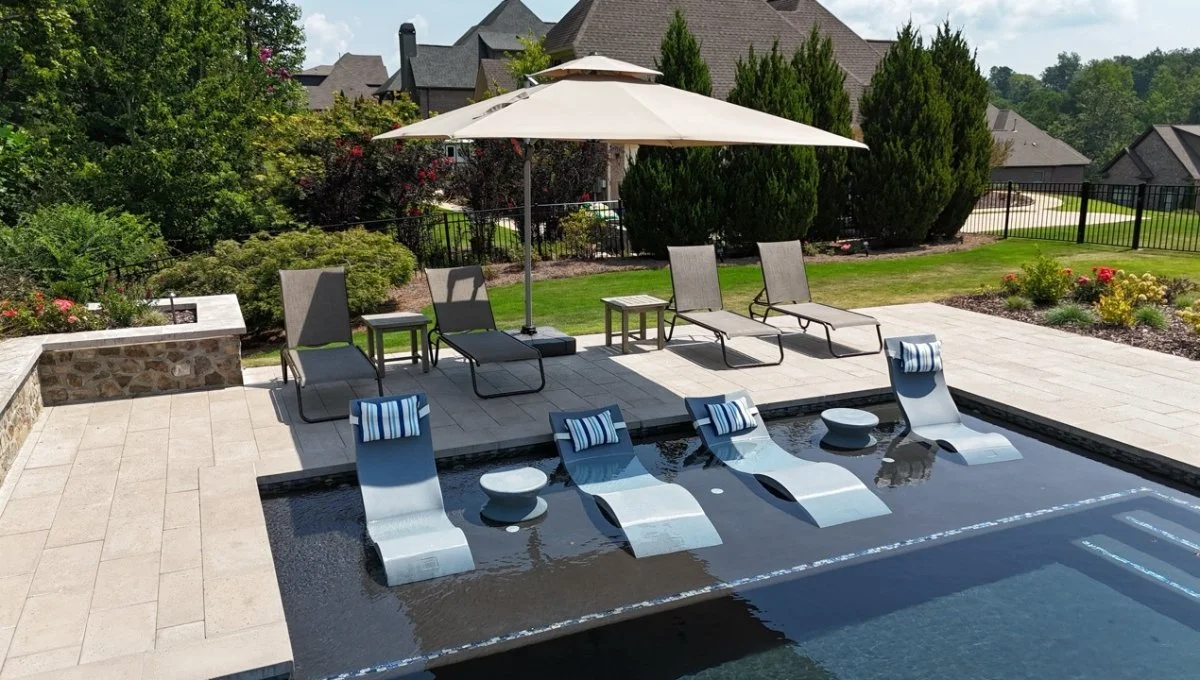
{"x":1160,"y":230}
{"x":573,"y":305}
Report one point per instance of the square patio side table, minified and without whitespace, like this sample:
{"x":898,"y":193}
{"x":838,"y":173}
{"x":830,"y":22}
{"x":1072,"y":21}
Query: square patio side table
{"x":641,"y":304}
{"x":416,"y":324}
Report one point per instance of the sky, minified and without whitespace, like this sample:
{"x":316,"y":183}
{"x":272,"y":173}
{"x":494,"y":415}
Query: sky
{"x":1023,"y":34}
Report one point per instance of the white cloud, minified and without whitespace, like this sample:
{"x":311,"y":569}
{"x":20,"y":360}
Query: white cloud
{"x":421,"y":24}
{"x":325,"y":40}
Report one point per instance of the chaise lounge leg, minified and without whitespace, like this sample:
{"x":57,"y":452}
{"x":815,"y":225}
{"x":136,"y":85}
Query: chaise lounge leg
{"x":725,"y":356}
{"x":475,"y":383}
{"x":829,"y":342}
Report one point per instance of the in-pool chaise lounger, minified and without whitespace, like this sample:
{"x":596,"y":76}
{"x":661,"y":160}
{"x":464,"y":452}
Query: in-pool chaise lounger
{"x":657,"y":517}
{"x":828,"y":494}
{"x":401,"y":493}
{"x":928,"y":408}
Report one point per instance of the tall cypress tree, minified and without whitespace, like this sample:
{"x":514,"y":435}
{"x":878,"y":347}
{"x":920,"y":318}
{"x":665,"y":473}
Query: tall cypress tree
{"x":671,"y":195}
{"x":771,"y":190}
{"x":905,"y":181}
{"x":966,"y":91}
{"x":817,"y":67}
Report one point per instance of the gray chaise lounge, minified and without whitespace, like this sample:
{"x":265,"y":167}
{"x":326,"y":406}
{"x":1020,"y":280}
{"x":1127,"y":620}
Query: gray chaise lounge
{"x":320,"y":342}
{"x":697,"y":299}
{"x":465,"y":322}
{"x":657,"y":517}
{"x":827,"y":494}
{"x":785,"y":291}
{"x":930,"y":413}
{"x":403,"y":501}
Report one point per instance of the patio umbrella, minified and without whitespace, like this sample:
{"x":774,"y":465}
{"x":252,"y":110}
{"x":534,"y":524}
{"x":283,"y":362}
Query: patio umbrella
{"x":600,"y":99}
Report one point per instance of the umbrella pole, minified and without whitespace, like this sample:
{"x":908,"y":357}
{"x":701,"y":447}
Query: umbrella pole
{"x":528,"y":328}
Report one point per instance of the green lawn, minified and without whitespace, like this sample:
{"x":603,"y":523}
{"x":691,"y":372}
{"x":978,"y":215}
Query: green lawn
{"x":1179,"y":230}
{"x":572,"y":305}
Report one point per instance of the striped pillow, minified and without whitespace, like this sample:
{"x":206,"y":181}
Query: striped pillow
{"x":921,"y":357}
{"x":592,"y":431}
{"x":391,"y":419}
{"x":731,"y":416}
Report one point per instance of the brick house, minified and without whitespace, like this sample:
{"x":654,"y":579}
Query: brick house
{"x":1035,"y":157}
{"x":1166,"y":157}
{"x":354,"y":76}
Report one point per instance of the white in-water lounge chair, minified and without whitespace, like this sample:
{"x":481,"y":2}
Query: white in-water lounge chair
{"x":928,"y":408}
{"x":828,"y":494}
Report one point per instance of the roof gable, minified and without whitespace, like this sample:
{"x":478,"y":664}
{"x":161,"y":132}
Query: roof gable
{"x":354,"y":75}
{"x":1183,"y":141}
{"x":1031,"y":146}
{"x":510,"y":16}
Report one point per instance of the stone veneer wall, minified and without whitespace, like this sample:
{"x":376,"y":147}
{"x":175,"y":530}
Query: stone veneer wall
{"x":16,"y":420}
{"x":82,"y":375}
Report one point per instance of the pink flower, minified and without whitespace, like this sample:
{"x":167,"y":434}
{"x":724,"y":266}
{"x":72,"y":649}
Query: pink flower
{"x":72,"y":319}
{"x":845,"y":247}
{"x":265,"y":54}
{"x":587,"y":196}
{"x":285,"y":74}
{"x":1083,"y":281}
{"x":63,"y":305}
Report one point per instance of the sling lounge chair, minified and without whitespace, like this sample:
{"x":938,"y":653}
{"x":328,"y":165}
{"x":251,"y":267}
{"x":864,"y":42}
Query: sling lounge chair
{"x":403,"y":501}
{"x":320,"y":343}
{"x":657,"y":517}
{"x":827,"y":494}
{"x":930,"y":413}
{"x":465,"y":322}
{"x":785,"y":291}
{"x":697,"y":299}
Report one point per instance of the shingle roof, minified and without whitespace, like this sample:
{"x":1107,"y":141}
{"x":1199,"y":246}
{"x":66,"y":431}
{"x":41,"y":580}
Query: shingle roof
{"x":322,"y":70}
{"x":632,"y":30}
{"x":441,"y":66}
{"x":503,"y":42}
{"x":1187,"y":156}
{"x":354,"y":75}
{"x":510,"y":16}
{"x":1031,"y":146}
{"x":495,"y":73}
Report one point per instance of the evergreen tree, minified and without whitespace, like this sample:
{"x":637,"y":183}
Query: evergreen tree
{"x":817,"y":67}
{"x":966,"y":91}
{"x":671,"y":196}
{"x":771,"y":190}
{"x":905,"y":181}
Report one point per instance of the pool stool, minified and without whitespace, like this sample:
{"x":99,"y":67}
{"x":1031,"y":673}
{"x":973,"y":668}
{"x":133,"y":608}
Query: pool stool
{"x":849,"y":428}
{"x":513,"y":495}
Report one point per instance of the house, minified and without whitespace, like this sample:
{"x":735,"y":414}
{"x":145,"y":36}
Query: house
{"x":355,"y":76}
{"x":1035,"y":157}
{"x":1164,"y":156}
{"x":441,"y":78}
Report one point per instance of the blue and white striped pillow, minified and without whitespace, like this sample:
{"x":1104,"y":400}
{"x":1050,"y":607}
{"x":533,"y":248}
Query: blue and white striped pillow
{"x":596,"y":430}
{"x":731,"y":416}
{"x":921,"y":357}
{"x":391,"y":419}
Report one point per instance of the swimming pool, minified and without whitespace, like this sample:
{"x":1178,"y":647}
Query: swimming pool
{"x":1054,"y":566}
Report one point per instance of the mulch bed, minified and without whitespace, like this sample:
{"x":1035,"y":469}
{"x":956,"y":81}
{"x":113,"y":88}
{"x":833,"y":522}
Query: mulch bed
{"x":997,"y":199}
{"x":1176,"y":339}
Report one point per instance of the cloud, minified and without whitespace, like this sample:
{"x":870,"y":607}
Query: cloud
{"x":983,"y":20}
{"x":420,"y":23}
{"x":325,"y":40}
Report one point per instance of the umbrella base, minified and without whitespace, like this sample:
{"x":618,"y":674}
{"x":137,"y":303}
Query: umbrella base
{"x":550,"y":341}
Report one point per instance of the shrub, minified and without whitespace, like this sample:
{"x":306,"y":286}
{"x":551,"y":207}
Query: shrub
{"x":1088,"y":289}
{"x":1191,"y":317}
{"x":1141,"y":290}
{"x":1046,"y":281}
{"x":581,"y":232}
{"x":1116,"y":307}
{"x":1153,"y":317}
{"x":1185,"y":300}
{"x":1180,"y":286}
{"x":374,"y":264}
{"x":1069,"y":313}
{"x":125,"y":307}
{"x":1016,"y":303}
{"x":35,"y":314}
{"x":1011,"y":284}
{"x":63,"y":247}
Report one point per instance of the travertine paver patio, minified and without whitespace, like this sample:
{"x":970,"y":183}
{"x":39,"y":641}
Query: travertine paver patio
{"x":132,"y":541}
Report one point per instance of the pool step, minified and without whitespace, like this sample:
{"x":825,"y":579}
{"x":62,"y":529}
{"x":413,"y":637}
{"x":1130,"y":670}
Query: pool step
{"x":1163,"y":529}
{"x":1138,"y":562}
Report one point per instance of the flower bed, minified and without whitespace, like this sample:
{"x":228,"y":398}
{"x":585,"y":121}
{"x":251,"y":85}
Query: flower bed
{"x":1139,"y":310}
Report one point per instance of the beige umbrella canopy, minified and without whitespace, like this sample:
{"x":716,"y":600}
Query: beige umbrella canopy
{"x":600,"y":99}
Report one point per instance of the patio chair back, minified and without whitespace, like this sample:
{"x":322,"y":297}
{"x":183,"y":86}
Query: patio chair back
{"x":694,"y":278}
{"x":460,"y":299}
{"x":316,"y":309}
{"x":783,"y":272}
{"x":924,"y":398}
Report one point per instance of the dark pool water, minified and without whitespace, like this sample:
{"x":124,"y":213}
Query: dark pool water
{"x":1056,"y":566}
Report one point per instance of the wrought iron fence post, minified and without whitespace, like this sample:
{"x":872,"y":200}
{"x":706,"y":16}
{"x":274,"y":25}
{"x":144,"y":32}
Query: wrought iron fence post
{"x":1138,"y":214}
{"x":1085,"y":193}
{"x":449,"y":251}
{"x":1008,"y":209}
{"x":621,"y":225}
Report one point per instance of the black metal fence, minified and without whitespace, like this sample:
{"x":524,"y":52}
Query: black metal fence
{"x":1123,"y":215}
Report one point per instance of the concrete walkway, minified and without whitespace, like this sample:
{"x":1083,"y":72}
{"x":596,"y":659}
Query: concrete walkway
{"x":132,"y":537}
{"x":1044,"y":212}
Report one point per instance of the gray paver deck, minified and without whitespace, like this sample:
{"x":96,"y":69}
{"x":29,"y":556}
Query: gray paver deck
{"x":132,"y":534}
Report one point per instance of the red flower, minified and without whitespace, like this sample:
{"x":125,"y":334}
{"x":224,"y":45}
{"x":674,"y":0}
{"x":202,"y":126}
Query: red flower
{"x":1067,"y":271}
{"x":63,"y":305}
{"x":478,"y":152}
{"x":1083,"y":281}
{"x":38,"y":295}
{"x":356,"y":151}
{"x":10,"y":313}
{"x":1105,"y":274}
{"x":1010,"y":277}
{"x":396,"y":126}
{"x":72,"y":319}
{"x":421,"y":176}
{"x":586,"y":196}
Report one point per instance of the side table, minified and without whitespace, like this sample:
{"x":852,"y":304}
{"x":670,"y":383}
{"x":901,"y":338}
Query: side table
{"x":513,"y":495}
{"x":416,"y":324}
{"x":641,"y":304}
{"x":849,"y":428}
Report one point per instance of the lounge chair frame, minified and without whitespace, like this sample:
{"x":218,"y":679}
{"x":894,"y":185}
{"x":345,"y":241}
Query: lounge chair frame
{"x":471,"y":315}
{"x":402,"y":499}
{"x":789,"y":257}
{"x":704,"y":295}
{"x":657,"y":517}
{"x":827,"y":494}
{"x":322,"y":297}
{"x":931,"y":415}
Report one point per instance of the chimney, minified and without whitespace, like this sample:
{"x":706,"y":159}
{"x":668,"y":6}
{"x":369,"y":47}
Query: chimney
{"x":408,"y":50}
